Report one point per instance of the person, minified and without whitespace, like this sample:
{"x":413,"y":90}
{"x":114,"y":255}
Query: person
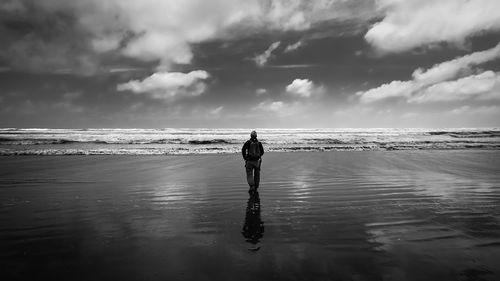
{"x":252,"y":152}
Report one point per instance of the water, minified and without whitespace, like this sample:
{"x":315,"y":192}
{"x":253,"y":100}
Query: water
{"x":209,"y":141}
{"x":344,"y":215}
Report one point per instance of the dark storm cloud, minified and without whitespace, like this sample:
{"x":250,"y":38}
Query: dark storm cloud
{"x":43,"y":39}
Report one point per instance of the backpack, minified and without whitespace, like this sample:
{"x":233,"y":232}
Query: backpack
{"x":254,"y":150}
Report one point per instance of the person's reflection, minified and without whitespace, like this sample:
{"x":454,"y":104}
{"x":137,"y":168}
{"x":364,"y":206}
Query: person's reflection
{"x":254,"y":227}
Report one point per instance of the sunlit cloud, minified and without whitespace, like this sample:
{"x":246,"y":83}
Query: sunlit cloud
{"x":273,"y":106}
{"x":453,"y":68}
{"x":168,"y":85}
{"x":485,"y":85}
{"x":393,"y":89}
{"x":451,"y":80}
{"x":415,"y":23}
{"x":262,"y":59}
{"x":293,"y":47}
{"x":304,"y":88}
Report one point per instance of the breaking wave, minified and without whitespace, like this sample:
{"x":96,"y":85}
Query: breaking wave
{"x":199,"y":141}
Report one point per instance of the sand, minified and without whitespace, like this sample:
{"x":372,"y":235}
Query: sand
{"x":368,"y":215}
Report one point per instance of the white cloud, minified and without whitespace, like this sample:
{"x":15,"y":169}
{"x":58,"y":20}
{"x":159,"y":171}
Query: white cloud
{"x":304,"y":88}
{"x":293,"y":66}
{"x":450,"y":69}
{"x":281,"y":109}
{"x":288,"y":15}
{"x":293,"y":47}
{"x":124,"y":69}
{"x":263,"y":58}
{"x":217,"y":110}
{"x":168,"y":85}
{"x":450,"y":80}
{"x":260,"y":91}
{"x":389,"y":90}
{"x":414,"y":23}
{"x":273,"y":106}
{"x":481,"y":110}
{"x":474,"y":86}
{"x":302,"y":14}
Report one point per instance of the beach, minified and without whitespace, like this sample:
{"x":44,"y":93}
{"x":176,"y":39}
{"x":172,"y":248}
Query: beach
{"x":336,"y":215}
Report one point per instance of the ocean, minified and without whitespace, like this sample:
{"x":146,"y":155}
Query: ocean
{"x":43,"y":141}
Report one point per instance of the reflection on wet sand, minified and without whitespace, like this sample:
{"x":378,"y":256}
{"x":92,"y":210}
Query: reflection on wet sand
{"x":415,"y":215}
{"x":253,"y":229}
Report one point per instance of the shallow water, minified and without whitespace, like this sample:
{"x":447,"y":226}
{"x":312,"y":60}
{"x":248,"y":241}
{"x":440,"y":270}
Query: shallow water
{"x":367,"y":215}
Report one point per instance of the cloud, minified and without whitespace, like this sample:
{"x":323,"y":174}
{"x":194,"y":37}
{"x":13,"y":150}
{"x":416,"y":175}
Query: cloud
{"x":281,"y":108}
{"x":262,"y":59}
{"x":297,"y":15}
{"x":415,"y":23}
{"x":216,"y":111}
{"x":284,"y":66}
{"x":55,"y":34}
{"x":272,"y":106}
{"x":124,"y":69}
{"x":450,"y":80}
{"x":450,"y":69}
{"x":304,"y":88}
{"x":293,"y":47}
{"x":479,"y":86}
{"x":481,"y":110}
{"x":260,"y":91}
{"x":168,"y":85}
{"x":392,"y":89}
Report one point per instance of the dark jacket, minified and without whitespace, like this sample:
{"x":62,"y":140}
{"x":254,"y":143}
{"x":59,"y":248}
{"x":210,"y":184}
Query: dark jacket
{"x":244,"y":150}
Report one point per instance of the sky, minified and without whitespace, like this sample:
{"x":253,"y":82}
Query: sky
{"x":249,"y":63}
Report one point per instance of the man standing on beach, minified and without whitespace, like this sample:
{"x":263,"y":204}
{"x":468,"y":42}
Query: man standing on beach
{"x":252,"y":152}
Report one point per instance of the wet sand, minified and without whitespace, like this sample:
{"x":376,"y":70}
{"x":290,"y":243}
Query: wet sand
{"x":368,"y":215}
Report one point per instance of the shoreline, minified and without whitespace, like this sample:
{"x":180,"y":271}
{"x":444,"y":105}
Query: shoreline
{"x":217,"y":141}
{"x":298,"y":150}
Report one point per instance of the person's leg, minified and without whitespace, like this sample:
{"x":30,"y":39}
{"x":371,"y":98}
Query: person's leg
{"x":249,"y":170}
{"x":256,"y":175}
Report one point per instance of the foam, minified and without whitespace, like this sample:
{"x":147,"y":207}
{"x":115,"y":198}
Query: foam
{"x":43,"y":141}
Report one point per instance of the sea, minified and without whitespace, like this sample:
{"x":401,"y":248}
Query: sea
{"x":175,"y":141}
